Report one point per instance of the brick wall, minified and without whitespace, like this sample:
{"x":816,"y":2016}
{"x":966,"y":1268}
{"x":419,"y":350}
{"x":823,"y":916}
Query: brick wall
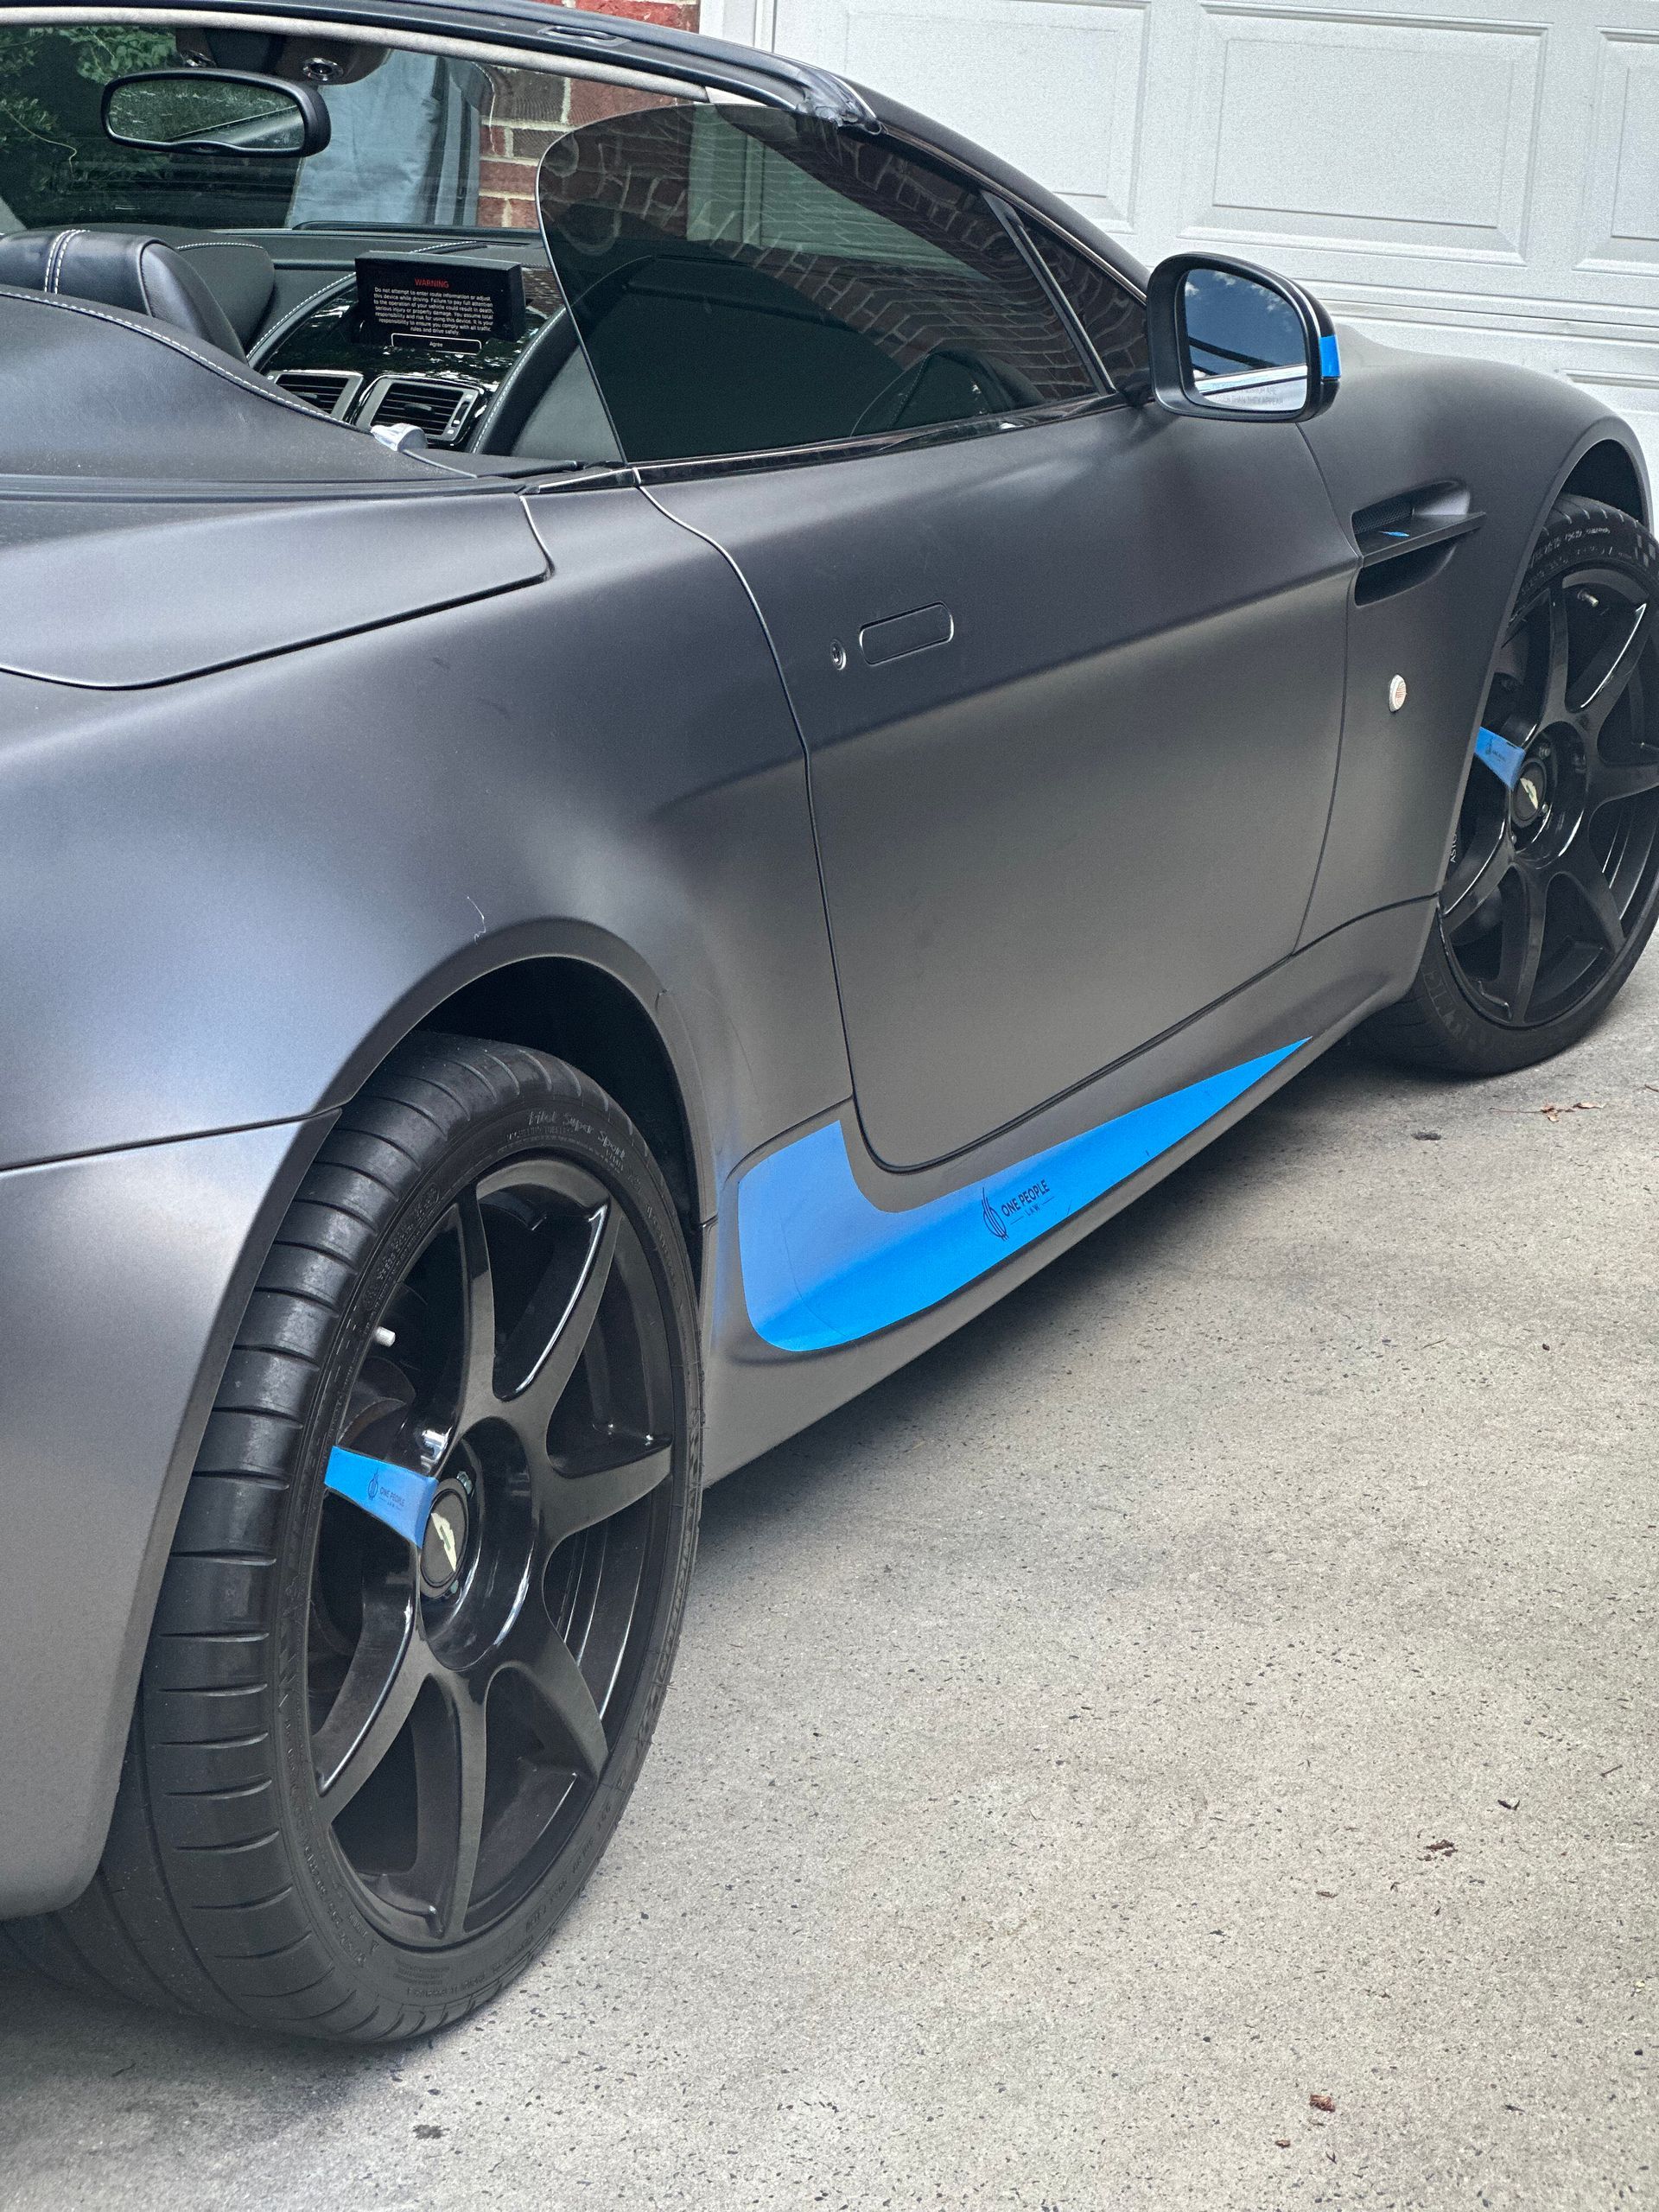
{"x":523,"y":123}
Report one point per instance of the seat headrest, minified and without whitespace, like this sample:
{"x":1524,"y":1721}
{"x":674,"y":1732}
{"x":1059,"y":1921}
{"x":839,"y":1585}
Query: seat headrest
{"x":121,"y":269}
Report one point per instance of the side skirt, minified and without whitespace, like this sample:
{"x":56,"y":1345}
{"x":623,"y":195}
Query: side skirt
{"x":831,"y":1271}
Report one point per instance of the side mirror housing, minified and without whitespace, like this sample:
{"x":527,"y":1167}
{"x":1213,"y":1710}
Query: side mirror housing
{"x":214,"y":111}
{"x":1235,"y":343}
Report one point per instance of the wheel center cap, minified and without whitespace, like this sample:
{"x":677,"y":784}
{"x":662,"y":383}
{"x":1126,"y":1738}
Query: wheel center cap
{"x":443,"y":1547}
{"x":1531,"y":794}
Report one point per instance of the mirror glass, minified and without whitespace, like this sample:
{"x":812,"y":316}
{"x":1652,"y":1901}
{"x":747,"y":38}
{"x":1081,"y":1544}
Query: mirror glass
{"x":194,"y":108}
{"x":1244,"y":344}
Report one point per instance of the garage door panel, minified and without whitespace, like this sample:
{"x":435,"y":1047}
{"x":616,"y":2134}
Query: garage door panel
{"x":993,"y":68}
{"x":1622,"y":193}
{"x":1295,"y":136}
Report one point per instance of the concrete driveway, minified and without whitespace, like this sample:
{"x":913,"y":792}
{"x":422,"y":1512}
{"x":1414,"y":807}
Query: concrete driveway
{"x":1188,"y":1743}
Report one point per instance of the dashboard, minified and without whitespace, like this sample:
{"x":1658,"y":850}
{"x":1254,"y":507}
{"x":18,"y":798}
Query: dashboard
{"x":428,"y":339}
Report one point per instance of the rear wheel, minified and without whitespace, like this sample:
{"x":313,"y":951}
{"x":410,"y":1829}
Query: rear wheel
{"x":428,"y":1582}
{"x":1552,"y":886}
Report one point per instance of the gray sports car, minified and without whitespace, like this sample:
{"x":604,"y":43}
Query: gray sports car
{"x":658,"y":728}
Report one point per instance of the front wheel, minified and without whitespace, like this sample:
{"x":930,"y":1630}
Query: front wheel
{"x":427,"y":1584}
{"x":1552,"y":886}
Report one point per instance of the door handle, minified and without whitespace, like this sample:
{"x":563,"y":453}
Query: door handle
{"x":906,"y":634}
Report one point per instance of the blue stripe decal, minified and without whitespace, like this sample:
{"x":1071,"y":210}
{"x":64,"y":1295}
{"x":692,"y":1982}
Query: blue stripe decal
{"x":823,"y":1265}
{"x":1330,"y":361}
{"x":396,"y":1496}
{"x":1505,"y":759}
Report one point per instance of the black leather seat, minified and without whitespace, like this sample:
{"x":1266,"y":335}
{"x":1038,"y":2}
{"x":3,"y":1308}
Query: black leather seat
{"x":121,"y":268}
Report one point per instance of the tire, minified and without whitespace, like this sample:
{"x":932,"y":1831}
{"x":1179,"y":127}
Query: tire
{"x":481,"y":1290}
{"x":1553,"y":886}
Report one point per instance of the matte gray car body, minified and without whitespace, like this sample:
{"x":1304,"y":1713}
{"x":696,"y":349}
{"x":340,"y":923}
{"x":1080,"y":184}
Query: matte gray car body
{"x":299,"y":738}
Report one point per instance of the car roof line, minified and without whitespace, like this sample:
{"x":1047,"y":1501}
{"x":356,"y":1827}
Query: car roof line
{"x":622,"y":42}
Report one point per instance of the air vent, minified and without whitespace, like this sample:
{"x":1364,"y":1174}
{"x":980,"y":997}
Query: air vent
{"x":330,"y":391}
{"x":439,"y":408}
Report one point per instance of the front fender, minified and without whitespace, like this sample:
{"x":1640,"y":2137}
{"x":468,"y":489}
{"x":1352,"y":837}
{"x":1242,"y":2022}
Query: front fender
{"x":1401,"y":422}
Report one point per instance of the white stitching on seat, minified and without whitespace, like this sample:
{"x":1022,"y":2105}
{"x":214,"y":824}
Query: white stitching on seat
{"x":54,"y":259}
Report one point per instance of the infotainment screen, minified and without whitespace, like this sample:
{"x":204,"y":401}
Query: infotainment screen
{"x":456,"y":306}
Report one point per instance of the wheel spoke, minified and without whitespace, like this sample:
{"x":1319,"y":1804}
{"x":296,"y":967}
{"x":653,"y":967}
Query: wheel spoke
{"x":567,"y":1716}
{"x":381,"y":1683}
{"x":1477,"y":875}
{"x":1552,"y":706}
{"x":451,"y":1764}
{"x":1604,"y":682}
{"x":478,"y":1396}
{"x":1612,"y":780}
{"x":541,"y":1355}
{"x":569,"y":1504}
{"x":1523,"y":944}
{"x":1595,"y":896}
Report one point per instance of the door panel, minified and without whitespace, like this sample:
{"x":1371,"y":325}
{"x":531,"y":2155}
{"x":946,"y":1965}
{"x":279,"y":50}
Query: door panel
{"x":1092,"y":802}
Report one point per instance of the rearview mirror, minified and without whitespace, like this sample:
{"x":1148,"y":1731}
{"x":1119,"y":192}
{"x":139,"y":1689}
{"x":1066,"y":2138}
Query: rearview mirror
{"x":1230,"y":340}
{"x":217,"y":111}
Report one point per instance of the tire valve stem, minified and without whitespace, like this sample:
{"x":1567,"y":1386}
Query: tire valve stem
{"x":385,"y":1338}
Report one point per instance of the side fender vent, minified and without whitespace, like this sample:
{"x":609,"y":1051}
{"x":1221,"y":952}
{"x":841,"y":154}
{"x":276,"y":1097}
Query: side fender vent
{"x":1406,"y":540}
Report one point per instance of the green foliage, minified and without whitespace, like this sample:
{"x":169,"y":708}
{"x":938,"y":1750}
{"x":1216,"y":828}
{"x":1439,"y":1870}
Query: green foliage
{"x":55,"y":162}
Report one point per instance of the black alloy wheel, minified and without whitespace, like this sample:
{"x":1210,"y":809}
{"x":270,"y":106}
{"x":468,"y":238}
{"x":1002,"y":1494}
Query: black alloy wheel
{"x":427,"y":1586}
{"x":458,"y":1668}
{"x":1553,"y":884}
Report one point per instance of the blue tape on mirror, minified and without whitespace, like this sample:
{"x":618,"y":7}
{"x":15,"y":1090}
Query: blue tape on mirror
{"x":1329,"y":359}
{"x":1504,"y":758}
{"x":396,"y":1496}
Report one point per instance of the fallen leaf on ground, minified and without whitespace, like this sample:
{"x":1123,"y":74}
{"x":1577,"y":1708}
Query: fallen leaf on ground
{"x":1281,"y":2142}
{"x":1325,"y":1893}
{"x":1443,"y":1846}
{"x":1508,"y":1803}
{"x":1321,"y":2100}
{"x":1579,"y":1106}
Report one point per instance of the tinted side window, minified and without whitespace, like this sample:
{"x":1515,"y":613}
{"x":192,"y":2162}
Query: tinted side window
{"x":746,"y":280}
{"x":1114,"y":319}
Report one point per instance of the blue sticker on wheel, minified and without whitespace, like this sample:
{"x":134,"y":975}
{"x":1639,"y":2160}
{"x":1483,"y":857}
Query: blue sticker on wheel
{"x":1505,"y":760}
{"x":396,"y":1496}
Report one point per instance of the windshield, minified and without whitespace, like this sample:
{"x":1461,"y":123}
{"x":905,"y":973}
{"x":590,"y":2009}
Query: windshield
{"x":419,"y":142}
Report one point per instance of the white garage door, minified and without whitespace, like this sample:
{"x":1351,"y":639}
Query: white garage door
{"x":1478,"y":179}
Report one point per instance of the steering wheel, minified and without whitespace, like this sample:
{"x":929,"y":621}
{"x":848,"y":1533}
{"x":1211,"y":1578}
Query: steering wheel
{"x":1002,"y":388}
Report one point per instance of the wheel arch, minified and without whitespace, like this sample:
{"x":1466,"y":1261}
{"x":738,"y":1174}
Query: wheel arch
{"x":1612,"y":472}
{"x":581,"y":994}
{"x":582,"y":1014}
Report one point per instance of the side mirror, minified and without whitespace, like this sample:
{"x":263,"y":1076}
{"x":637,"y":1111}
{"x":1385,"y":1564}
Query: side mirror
{"x":1231,"y":341}
{"x":214,"y":111}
